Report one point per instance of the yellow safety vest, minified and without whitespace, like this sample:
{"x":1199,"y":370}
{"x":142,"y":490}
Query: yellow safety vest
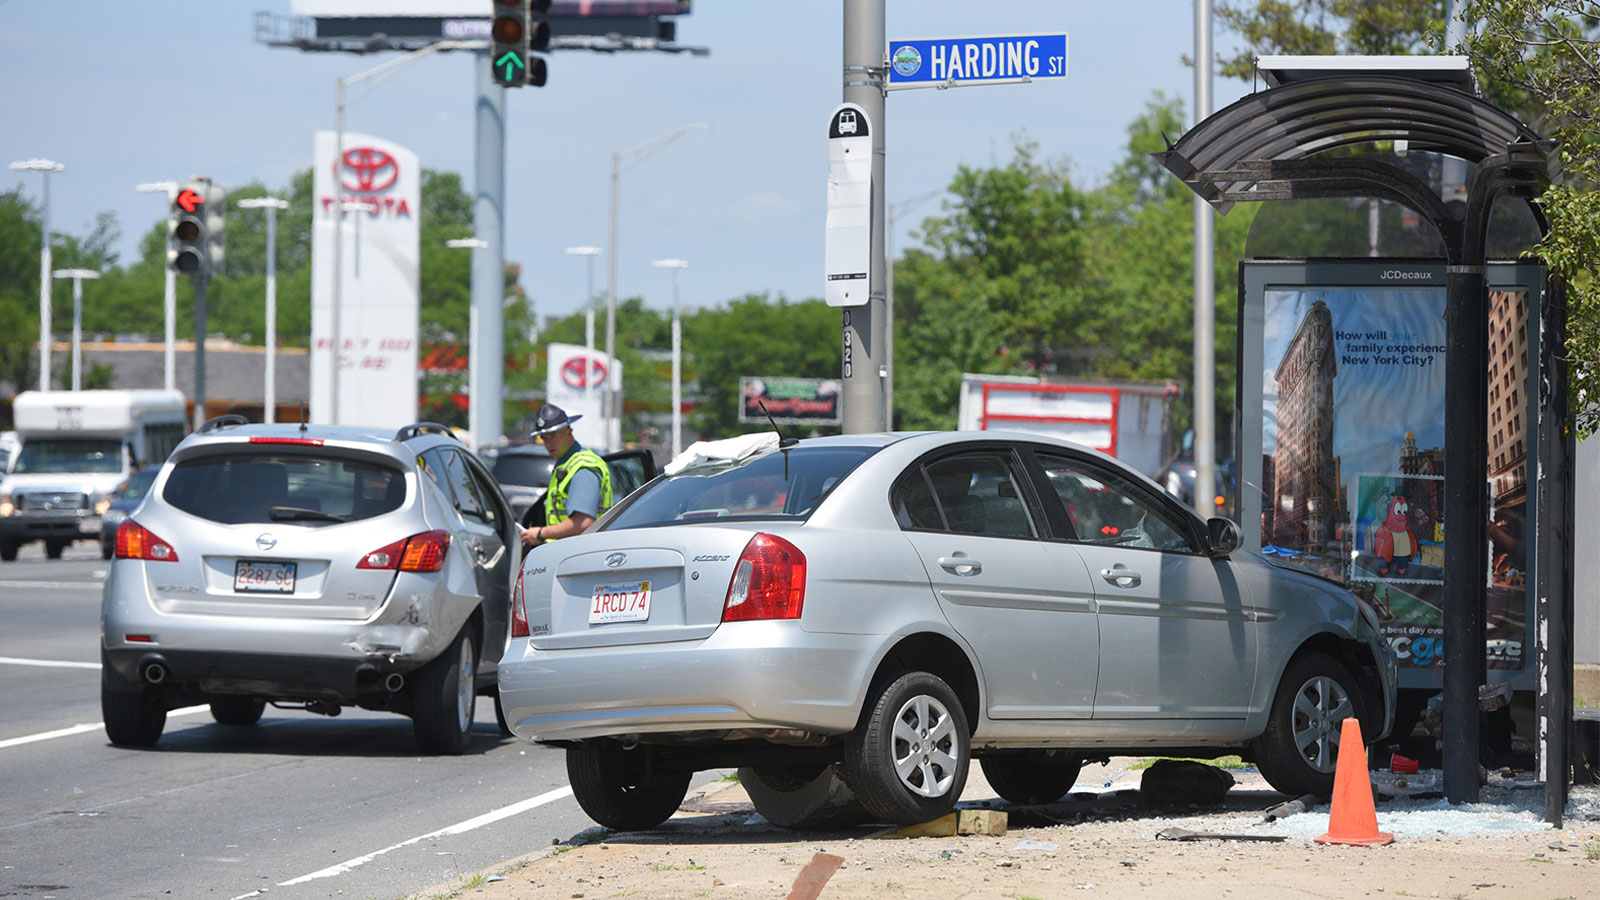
{"x":555,"y":502}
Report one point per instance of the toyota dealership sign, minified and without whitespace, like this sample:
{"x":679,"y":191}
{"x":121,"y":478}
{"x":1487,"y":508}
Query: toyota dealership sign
{"x":377,"y":187}
{"x":577,"y":381}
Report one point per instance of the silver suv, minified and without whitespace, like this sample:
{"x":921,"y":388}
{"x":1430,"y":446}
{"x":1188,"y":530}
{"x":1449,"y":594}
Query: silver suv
{"x":316,"y":567}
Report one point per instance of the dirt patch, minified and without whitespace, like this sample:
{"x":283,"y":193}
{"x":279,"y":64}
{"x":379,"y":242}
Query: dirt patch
{"x":1099,"y":842}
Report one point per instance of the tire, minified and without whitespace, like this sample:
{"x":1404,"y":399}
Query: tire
{"x":1027,"y":779}
{"x":617,"y":790}
{"x":133,"y":718}
{"x":235,"y":710}
{"x":8,"y":551}
{"x":1299,"y":750}
{"x":912,"y":719}
{"x":52,"y":549}
{"x":442,"y":706}
{"x":107,"y":551}
{"x":805,"y":798}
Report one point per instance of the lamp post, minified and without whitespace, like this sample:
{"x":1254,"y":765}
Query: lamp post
{"x":473,"y":338}
{"x":588,"y":319}
{"x":169,"y":301}
{"x":677,"y":266}
{"x":44,"y":167}
{"x":634,"y":154}
{"x":269,"y":397}
{"x":77,"y":276}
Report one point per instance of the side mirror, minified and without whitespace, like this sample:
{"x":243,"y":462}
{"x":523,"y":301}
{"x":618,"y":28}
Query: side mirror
{"x":1222,"y":536}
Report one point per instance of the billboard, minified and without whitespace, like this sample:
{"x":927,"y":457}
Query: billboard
{"x":1342,"y":442}
{"x":379,"y":281}
{"x":576,"y":381}
{"x":465,"y":9}
{"x":794,"y":401}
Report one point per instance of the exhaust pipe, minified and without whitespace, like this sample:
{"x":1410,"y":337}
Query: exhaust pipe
{"x":154,"y":672}
{"x":394,"y":682}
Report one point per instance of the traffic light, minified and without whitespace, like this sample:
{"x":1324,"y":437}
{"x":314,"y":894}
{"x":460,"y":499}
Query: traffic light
{"x":216,"y":210}
{"x":508,"y":58}
{"x":538,"y":41}
{"x":186,"y":238}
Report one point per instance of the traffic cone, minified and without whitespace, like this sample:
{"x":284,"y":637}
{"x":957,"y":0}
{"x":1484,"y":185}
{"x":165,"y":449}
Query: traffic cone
{"x":1353,"y":820}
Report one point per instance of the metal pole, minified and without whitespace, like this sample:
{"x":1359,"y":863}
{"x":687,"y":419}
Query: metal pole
{"x":864,"y":362}
{"x":486,"y":358}
{"x":77,"y":333}
{"x":334,"y":350}
{"x":270,"y":393}
{"x":677,"y":368}
{"x":588,"y":335}
{"x":200,"y":282}
{"x":169,"y":309}
{"x":44,"y":287}
{"x":1205,"y":391}
{"x":608,"y":402}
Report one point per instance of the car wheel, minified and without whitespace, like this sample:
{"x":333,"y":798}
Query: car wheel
{"x":805,"y":798}
{"x":1030,"y":778}
{"x":133,"y":718}
{"x":8,"y":551}
{"x":441,"y":712}
{"x":107,"y":551}
{"x":52,"y":549}
{"x":618,"y":790}
{"x":237,"y":710}
{"x":1300,"y":748}
{"x":907,"y":759}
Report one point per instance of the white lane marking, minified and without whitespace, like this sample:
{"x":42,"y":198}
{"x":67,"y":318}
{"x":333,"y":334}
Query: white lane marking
{"x":478,"y":822}
{"x":61,"y":663}
{"x":92,"y":726}
{"x":52,"y":584}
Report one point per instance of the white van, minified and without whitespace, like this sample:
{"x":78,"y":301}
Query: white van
{"x":76,"y":447}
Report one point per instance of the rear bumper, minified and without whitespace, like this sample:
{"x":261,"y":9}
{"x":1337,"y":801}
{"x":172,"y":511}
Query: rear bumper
{"x":744,"y":676}
{"x":257,"y":674}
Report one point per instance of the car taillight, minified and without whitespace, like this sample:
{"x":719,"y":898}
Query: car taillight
{"x":769,"y":581}
{"x":419,"y":553}
{"x":519,"y":610}
{"x":134,"y":541}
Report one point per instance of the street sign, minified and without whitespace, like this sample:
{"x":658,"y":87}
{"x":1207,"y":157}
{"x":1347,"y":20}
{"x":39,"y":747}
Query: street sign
{"x":847,"y":253}
{"x":994,"y":59}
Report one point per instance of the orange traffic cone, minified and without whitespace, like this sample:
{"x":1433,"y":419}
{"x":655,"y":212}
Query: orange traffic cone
{"x":1353,"y":820}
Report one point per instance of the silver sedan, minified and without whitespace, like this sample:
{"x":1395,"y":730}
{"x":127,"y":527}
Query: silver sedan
{"x":862,"y":615}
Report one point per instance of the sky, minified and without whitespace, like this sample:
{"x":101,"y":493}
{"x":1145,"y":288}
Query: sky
{"x":124,"y":93}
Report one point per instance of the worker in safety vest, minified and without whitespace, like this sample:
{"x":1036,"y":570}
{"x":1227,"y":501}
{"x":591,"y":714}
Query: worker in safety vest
{"x":580,"y":484}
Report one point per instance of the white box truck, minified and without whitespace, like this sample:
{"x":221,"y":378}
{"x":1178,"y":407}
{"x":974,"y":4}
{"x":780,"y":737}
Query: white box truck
{"x":1128,"y":420}
{"x":76,"y":447}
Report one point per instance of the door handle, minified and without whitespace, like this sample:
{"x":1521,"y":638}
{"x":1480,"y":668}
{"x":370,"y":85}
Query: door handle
{"x":1121,"y":576}
{"x":961,"y":561}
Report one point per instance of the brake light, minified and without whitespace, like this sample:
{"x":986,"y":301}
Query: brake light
{"x":310,"y":442}
{"x":418,"y":553}
{"x":769,"y":581}
{"x":519,"y":610}
{"x":134,"y":541}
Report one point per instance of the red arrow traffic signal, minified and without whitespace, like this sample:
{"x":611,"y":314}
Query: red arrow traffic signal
{"x":189,"y":200}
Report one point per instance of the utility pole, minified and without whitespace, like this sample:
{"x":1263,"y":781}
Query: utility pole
{"x":45,"y":168}
{"x":487,"y":362}
{"x":677,"y":266}
{"x":1205,"y":347}
{"x":169,"y":302}
{"x":269,"y":396}
{"x":865,"y":362}
{"x":77,"y":276}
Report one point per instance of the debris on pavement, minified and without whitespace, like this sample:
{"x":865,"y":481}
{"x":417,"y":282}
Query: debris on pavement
{"x":1182,"y":782}
{"x":809,"y":883}
{"x":1290,"y":807}
{"x":1184,"y":834}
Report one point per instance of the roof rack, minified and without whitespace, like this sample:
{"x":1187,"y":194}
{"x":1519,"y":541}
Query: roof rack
{"x":230,"y":420}
{"x":420,"y":428}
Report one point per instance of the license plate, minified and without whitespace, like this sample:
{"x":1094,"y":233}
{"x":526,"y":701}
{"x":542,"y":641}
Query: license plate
{"x":628,"y":602}
{"x":251,"y":577}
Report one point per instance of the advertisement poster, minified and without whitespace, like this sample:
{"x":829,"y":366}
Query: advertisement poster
{"x":792,"y":401}
{"x":1352,"y":454}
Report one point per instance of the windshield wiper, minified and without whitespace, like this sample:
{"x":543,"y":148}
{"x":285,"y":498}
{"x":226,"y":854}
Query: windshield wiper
{"x":299,"y":513}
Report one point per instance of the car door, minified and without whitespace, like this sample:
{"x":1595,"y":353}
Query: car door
{"x":1024,"y":603}
{"x":483,"y":519}
{"x":1177,"y":632}
{"x":629,"y":470}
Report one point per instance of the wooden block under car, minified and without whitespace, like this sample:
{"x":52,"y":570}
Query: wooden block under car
{"x":981,"y":821}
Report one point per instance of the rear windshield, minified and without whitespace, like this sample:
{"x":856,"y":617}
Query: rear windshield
{"x":52,"y":455}
{"x":783,"y":484}
{"x":525,"y":469}
{"x":310,"y":490}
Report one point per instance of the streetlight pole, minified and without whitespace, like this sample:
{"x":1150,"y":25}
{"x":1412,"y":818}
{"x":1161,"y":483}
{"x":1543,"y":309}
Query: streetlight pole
{"x":269,"y":397}
{"x":44,"y":167}
{"x":677,"y":266}
{"x":77,"y":276}
{"x":635,"y":154}
{"x":474,"y":419}
{"x":169,"y":302}
{"x":387,"y":70}
{"x":588,"y":319}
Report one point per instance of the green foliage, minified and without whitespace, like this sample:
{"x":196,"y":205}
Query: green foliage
{"x":1326,"y":27}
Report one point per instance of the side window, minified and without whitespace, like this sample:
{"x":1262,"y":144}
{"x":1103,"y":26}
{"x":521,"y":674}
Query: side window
{"x":1108,"y":508}
{"x":627,"y":473}
{"x":466,"y":490}
{"x":977,"y":493}
{"x":486,"y":493}
{"x":431,"y":466}
{"x":914,"y":506}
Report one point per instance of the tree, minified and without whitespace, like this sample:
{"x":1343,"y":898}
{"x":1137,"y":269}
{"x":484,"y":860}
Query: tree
{"x":1326,"y":27}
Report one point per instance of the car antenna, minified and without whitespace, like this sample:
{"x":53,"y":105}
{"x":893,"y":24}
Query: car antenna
{"x":302,"y":417}
{"x":784,"y":441}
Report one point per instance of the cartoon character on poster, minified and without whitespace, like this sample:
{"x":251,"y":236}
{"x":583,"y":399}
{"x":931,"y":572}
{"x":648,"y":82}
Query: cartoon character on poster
{"x":1396,"y":545}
